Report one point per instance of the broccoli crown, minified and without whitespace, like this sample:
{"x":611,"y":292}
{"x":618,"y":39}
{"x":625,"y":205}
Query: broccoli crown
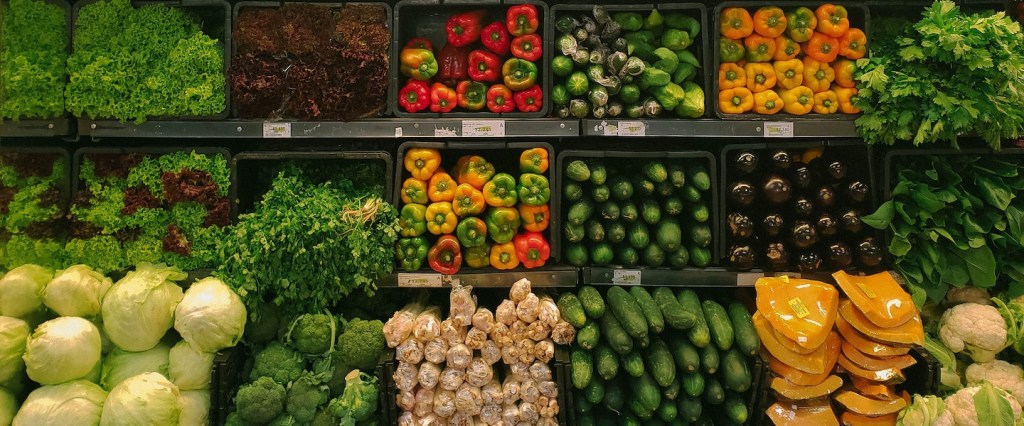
{"x":234,"y":419}
{"x":305,"y":395}
{"x":359,"y":402}
{"x":312,"y":333}
{"x":334,"y":368}
{"x":260,"y":402}
{"x":362,"y":343}
{"x":279,"y":363}
{"x":284,"y":420}
{"x":266,"y":327}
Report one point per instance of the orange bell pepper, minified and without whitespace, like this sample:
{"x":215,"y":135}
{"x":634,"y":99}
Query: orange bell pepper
{"x":785,"y":49}
{"x":844,"y":70}
{"x":826,"y":102}
{"x":442,"y":187}
{"x":422,"y":162}
{"x":414,"y":191}
{"x":767,"y":102}
{"x":474,"y":170}
{"x":822,"y":48}
{"x":503,"y":256}
{"x":736,"y":100}
{"x":846,"y":97}
{"x":535,"y":218}
{"x":760,"y":77}
{"x":730,"y":76}
{"x":797,"y":101}
{"x":759,"y":48}
{"x":853,"y":44}
{"x":818,"y":76}
{"x":789,"y":73}
{"x":533,"y":160}
{"x":441,"y":218}
{"x":833,"y":20}
{"x":770,"y":21}
{"x":468,"y":201}
{"x":736,"y":23}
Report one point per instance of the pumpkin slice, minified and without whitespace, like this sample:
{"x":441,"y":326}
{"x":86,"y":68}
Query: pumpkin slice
{"x":798,"y":377}
{"x":910,"y":333}
{"x":850,"y":418}
{"x":866,"y":345}
{"x":813,"y":363}
{"x":791,"y":345}
{"x":861,"y":404}
{"x":888,"y":376}
{"x":783,"y":388}
{"x":873,"y":363}
{"x":872,"y":389}
{"x":879,"y":297}
{"x":786,"y":414}
{"x":802,"y":310}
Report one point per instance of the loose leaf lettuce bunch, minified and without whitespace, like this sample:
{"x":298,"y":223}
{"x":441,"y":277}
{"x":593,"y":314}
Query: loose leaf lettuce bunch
{"x":32,"y":57}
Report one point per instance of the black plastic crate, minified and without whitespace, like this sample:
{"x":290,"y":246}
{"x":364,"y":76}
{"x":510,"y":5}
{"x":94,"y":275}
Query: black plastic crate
{"x":695,"y":10}
{"x":224,"y":382}
{"x":859,"y":17}
{"x":427,"y":18}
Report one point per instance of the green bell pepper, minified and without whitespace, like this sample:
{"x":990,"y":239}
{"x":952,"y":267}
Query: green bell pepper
{"x":730,"y":50}
{"x":413,"y":220}
{"x":534,"y":189}
{"x":676,"y":40}
{"x":412,"y":252}
{"x":476,"y":257}
{"x":502,"y":224}
{"x":669,"y":95}
{"x":500,"y":191}
{"x":519,"y":74}
{"x":472,"y":232}
{"x":678,"y":21}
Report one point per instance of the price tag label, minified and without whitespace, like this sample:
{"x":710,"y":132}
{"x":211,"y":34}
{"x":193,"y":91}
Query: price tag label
{"x":277,"y":130}
{"x":626,"y":277}
{"x":483,"y":128}
{"x":445,"y":132}
{"x":420,"y":280}
{"x":747,"y":279}
{"x":398,"y":131}
{"x":631,"y":128}
{"x":798,"y":307}
{"x":778,"y":129}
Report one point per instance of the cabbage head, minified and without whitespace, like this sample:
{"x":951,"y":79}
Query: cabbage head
{"x":120,"y":364}
{"x":145,"y":399}
{"x":61,"y":350}
{"x":8,"y":406}
{"x":190,"y":369}
{"x":21,"y":290}
{"x":76,"y":292}
{"x":139,"y":309}
{"x":76,"y":403}
{"x":13,"y":335}
{"x":211,"y":316}
{"x":195,"y":407}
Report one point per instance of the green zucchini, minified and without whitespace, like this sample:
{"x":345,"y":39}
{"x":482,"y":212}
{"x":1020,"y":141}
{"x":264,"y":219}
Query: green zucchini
{"x":593,"y":303}
{"x":674,"y":314}
{"x":627,"y":311}
{"x":699,"y":334}
{"x":718,"y":324}
{"x":743,"y":327}
{"x":651,"y":312}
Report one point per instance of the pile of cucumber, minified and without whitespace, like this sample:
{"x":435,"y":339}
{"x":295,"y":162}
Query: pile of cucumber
{"x":652,"y":213}
{"x":659,"y":357}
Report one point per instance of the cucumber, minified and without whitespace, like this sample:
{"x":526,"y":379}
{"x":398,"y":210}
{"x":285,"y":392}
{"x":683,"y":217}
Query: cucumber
{"x":685,"y":354}
{"x":576,"y":254}
{"x":581,"y":404}
{"x":672,"y":391}
{"x":713,"y":392}
{"x":646,"y":391}
{"x":735,"y":373}
{"x":689,"y":408}
{"x":606,"y":362}
{"x":627,"y":256}
{"x":594,"y":230}
{"x":627,"y":312}
{"x":709,"y":359}
{"x":638,"y":411}
{"x":664,"y":189}
{"x":691,"y":194}
{"x":573,"y":191}
{"x":584,"y":420}
{"x":693,"y":384}
{"x":701,"y":235}
{"x":598,"y":174}
{"x":659,"y":362}
{"x":669,"y":235}
{"x":674,"y":314}
{"x":621,"y":188}
{"x":574,"y":233}
{"x":617,"y":338}
{"x":592,"y":302}
{"x":704,"y":420}
{"x":743,"y":327}
{"x":580,"y":212}
{"x":589,"y":335}
{"x":735,"y":408}
{"x":600,"y":193}
{"x":610,"y":211}
{"x":594,"y":392}
{"x":633,"y":363}
{"x":651,"y":312}
{"x":577,"y":170}
{"x":628,"y":212}
{"x":602,"y":253}
{"x":650,"y":211}
{"x":718,"y":323}
{"x":572,"y":310}
{"x":699,"y":334}
{"x":676,"y":175}
{"x":582,"y":368}
{"x":615,"y":232}
{"x":614,"y":396}
{"x":654,"y":256}
{"x":667,"y":411}
{"x":679,"y":258}
{"x":639,"y":238}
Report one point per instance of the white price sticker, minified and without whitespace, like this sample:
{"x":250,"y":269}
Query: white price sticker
{"x":445,"y":132}
{"x":483,"y":128}
{"x":631,"y":128}
{"x":778,"y":129}
{"x":398,"y":131}
{"x":277,"y":130}
{"x":420,"y":280}
{"x":626,"y":277}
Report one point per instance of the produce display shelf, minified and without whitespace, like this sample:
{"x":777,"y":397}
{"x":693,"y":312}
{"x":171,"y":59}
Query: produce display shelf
{"x":60,"y":126}
{"x":556,"y":276}
{"x":663,"y":277}
{"x":782,"y":128}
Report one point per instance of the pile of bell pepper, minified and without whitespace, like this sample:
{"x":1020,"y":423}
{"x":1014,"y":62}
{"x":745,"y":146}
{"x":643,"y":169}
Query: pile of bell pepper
{"x":797,"y":62}
{"x":476,"y":215}
{"x":481,"y":67}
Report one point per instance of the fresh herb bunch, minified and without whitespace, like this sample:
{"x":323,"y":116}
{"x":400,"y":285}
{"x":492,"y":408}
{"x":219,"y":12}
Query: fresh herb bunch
{"x":949,"y":75}
{"x":148,"y":62}
{"x":32,"y":57}
{"x":308,"y":244}
{"x":956,"y":220}
{"x":31,"y":226}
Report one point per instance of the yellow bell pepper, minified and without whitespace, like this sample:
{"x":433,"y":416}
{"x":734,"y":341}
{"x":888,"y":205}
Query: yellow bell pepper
{"x":826,"y":102}
{"x":421,"y":163}
{"x":767,"y":102}
{"x":441,"y":218}
{"x":442,"y":187}
{"x":818,"y":76}
{"x":535,"y":218}
{"x":468,"y":201}
{"x":736,"y":100}
{"x":785,"y":49}
{"x":760,"y":77}
{"x":503,"y":256}
{"x":846,"y":96}
{"x":731,"y":75}
{"x":844,"y":69}
{"x":474,"y":170}
{"x":789,"y":73}
{"x":797,"y":101}
{"x":414,"y":191}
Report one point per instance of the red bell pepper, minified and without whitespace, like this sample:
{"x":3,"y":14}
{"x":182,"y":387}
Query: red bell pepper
{"x":419,"y":43}
{"x":415,"y":96}
{"x":495,"y":38}
{"x":522,"y":20}
{"x":445,"y":256}
{"x":464,"y":28}
{"x":529,"y":100}
{"x":484,"y":65}
{"x":527,"y":47}
{"x":442,"y":98}
{"x":472,"y":95}
{"x":499,"y":99}
{"x":452,"y":64}
{"x":531,"y":249}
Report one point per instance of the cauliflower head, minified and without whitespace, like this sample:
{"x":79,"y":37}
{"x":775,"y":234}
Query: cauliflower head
{"x":313,"y":334}
{"x":961,"y":409}
{"x":362,"y":344}
{"x":278,"y":362}
{"x":260,"y":402}
{"x":979,"y":330}
{"x":1000,"y":374}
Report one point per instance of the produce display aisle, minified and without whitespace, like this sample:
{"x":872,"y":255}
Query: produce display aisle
{"x":424,"y":213}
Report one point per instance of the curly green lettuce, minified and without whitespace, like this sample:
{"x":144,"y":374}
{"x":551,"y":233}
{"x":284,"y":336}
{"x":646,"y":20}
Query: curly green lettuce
{"x":32,"y":57}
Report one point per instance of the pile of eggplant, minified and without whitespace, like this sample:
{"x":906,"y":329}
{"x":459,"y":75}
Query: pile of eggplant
{"x":791,"y":208}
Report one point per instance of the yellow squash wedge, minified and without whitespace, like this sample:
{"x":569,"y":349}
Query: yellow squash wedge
{"x":791,"y":345}
{"x":799,"y":377}
{"x":910,"y":333}
{"x":861,"y":404}
{"x":813,"y":363}
{"x":788,"y":414}
{"x":784,"y":389}
{"x":866,"y":345}
{"x":872,"y":389}
{"x":802,"y":310}
{"x":873,"y":363}
{"x":850,"y":418}
{"x":879,"y":297}
{"x":888,"y":376}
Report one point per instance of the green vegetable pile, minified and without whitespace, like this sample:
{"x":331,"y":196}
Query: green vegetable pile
{"x":950,"y":74}
{"x":153,"y":61}
{"x":32,"y":56}
{"x":640,"y":356}
{"x":955,"y":220}
{"x":654,"y":213}
{"x":30,"y":210}
{"x":625,"y":64}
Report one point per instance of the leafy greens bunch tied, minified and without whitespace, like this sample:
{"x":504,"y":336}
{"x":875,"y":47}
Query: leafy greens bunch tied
{"x":32,"y":55}
{"x":950,"y":74}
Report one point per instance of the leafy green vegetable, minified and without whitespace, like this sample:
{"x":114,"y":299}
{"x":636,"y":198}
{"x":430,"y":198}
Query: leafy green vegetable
{"x":32,"y":74}
{"x":993,"y":406}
